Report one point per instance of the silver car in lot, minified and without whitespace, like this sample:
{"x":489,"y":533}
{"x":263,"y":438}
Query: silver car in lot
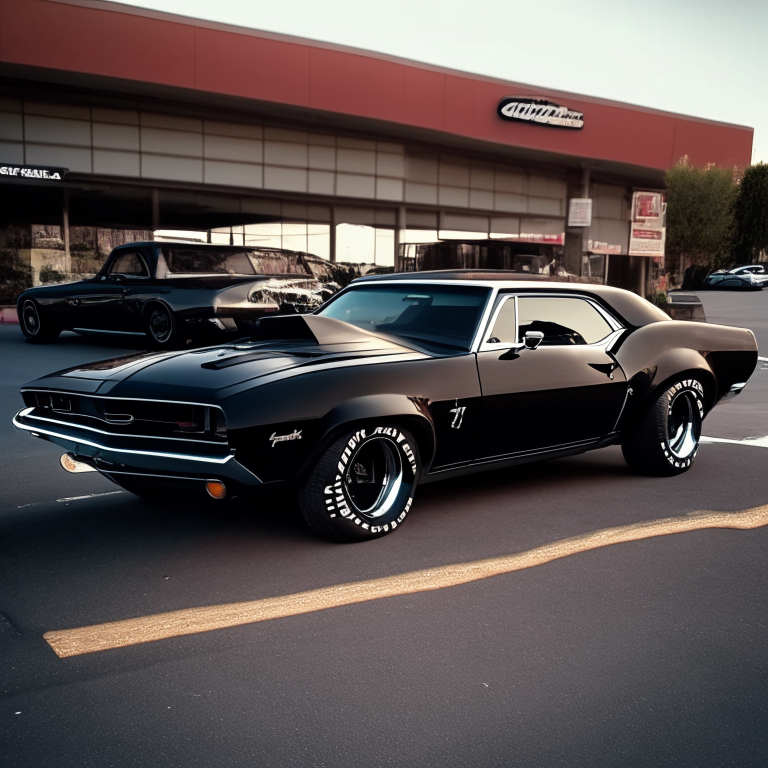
{"x":749,"y":277}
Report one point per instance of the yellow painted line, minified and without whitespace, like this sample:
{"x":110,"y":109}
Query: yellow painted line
{"x":161,"y":626}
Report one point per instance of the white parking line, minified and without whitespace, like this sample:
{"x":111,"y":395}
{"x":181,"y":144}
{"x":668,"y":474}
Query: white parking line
{"x":90,"y":496}
{"x":189,"y":621}
{"x":757,"y":442}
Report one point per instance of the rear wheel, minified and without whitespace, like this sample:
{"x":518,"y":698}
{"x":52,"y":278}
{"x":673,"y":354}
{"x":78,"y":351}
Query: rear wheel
{"x":363,"y":485}
{"x":35,"y":326}
{"x":666,"y":441}
{"x":161,"y":327}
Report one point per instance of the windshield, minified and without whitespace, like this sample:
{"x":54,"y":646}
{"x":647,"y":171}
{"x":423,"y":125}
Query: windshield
{"x":443,"y":315}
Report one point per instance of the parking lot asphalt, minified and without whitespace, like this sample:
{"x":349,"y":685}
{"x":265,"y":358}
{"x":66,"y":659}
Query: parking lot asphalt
{"x":640,"y":654}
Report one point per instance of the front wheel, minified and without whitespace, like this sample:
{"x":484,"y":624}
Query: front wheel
{"x":36,"y":327}
{"x":161,"y":327}
{"x":363,"y":485}
{"x":666,"y":440}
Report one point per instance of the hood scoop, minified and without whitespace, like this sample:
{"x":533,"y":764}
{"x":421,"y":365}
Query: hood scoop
{"x":250,"y":357}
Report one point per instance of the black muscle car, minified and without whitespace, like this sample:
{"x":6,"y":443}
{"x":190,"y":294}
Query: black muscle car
{"x":173,"y":291}
{"x":395,"y":381}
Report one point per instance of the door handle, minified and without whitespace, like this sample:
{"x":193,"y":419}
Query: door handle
{"x":606,"y":368}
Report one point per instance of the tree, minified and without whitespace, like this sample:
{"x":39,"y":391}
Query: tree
{"x":750,"y":215}
{"x":699,"y":215}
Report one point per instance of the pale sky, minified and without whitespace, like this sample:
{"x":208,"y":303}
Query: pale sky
{"x":706,"y":58}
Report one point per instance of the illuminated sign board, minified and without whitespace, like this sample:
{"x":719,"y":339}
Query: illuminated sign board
{"x":540,"y":111}
{"x":34,"y":172}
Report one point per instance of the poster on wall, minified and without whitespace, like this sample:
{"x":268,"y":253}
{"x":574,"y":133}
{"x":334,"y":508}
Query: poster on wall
{"x":647,"y":233}
{"x":580,"y":212}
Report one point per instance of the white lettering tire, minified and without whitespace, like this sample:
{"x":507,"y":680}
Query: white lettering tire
{"x":665,"y":442}
{"x":363,"y":485}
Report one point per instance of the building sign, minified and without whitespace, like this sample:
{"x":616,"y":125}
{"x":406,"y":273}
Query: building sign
{"x":36,"y":172}
{"x":580,"y":212}
{"x":525,"y":110}
{"x":647,"y":232}
{"x":602,"y":247}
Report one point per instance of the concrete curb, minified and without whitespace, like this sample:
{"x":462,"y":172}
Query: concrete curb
{"x":9,"y":315}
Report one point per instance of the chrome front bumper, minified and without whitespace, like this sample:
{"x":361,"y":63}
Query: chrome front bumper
{"x":138,"y":456}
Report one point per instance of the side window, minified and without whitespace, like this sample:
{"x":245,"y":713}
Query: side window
{"x":129,"y":264}
{"x":563,"y":321}
{"x":505,"y":327}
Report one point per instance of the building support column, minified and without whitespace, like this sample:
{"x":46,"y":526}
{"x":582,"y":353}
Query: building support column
{"x":642,"y":289}
{"x":155,"y":210}
{"x":332,"y":243}
{"x":577,"y":186}
{"x":400,"y":227}
{"x":65,"y":231}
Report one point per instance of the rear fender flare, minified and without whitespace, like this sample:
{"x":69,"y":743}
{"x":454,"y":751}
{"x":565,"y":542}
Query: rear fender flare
{"x":675,"y":364}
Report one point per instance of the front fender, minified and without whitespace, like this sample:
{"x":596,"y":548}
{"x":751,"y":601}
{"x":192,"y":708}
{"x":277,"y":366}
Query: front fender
{"x":282,"y":450}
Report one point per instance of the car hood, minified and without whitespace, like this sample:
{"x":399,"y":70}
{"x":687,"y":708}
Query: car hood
{"x":209,"y":375}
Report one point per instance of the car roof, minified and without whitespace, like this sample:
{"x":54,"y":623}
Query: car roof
{"x":199,"y":246}
{"x":632,"y":309}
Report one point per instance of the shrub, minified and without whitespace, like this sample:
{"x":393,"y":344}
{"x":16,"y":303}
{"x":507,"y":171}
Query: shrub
{"x":15,"y":276}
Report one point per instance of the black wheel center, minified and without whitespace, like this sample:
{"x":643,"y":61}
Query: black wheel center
{"x":159,"y":324}
{"x":374,"y":477}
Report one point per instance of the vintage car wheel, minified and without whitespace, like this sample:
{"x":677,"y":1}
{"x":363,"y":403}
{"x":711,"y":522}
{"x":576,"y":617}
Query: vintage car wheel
{"x":34,"y":325}
{"x":666,"y":441}
{"x":363,"y":485}
{"x":161,"y":326}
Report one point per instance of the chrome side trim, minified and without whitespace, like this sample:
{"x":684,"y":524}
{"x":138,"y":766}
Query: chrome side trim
{"x":561,"y":447}
{"x":117,"y":434}
{"x":36,"y":431}
{"x":511,"y":456}
{"x":118,"y":333}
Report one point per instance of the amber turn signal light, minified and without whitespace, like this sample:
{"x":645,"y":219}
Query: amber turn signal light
{"x":71,"y":464}
{"x":216,"y":490}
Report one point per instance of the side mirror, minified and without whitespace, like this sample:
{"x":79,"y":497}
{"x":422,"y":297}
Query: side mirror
{"x":532,"y":339}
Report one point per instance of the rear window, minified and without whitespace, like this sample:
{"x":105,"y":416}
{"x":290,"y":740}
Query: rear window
{"x":192,"y":261}
{"x":187,"y":261}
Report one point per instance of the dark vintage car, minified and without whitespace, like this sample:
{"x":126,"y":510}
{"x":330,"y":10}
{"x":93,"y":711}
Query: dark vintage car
{"x":396,"y":381}
{"x":174,"y":291}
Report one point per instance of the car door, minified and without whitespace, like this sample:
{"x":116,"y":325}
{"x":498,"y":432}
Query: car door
{"x":105,"y":307}
{"x":568,"y":390}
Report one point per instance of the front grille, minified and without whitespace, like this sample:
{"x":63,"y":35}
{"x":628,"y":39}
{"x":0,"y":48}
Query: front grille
{"x":140,"y":418}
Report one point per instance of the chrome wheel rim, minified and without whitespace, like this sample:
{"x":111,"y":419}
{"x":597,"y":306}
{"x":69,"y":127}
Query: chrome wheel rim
{"x":160,"y":325}
{"x":31,"y":318}
{"x":683,"y":425}
{"x":374,"y":477}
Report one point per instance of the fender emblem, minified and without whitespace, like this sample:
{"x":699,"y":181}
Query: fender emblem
{"x":458,"y":415}
{"x":275,"y":438}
